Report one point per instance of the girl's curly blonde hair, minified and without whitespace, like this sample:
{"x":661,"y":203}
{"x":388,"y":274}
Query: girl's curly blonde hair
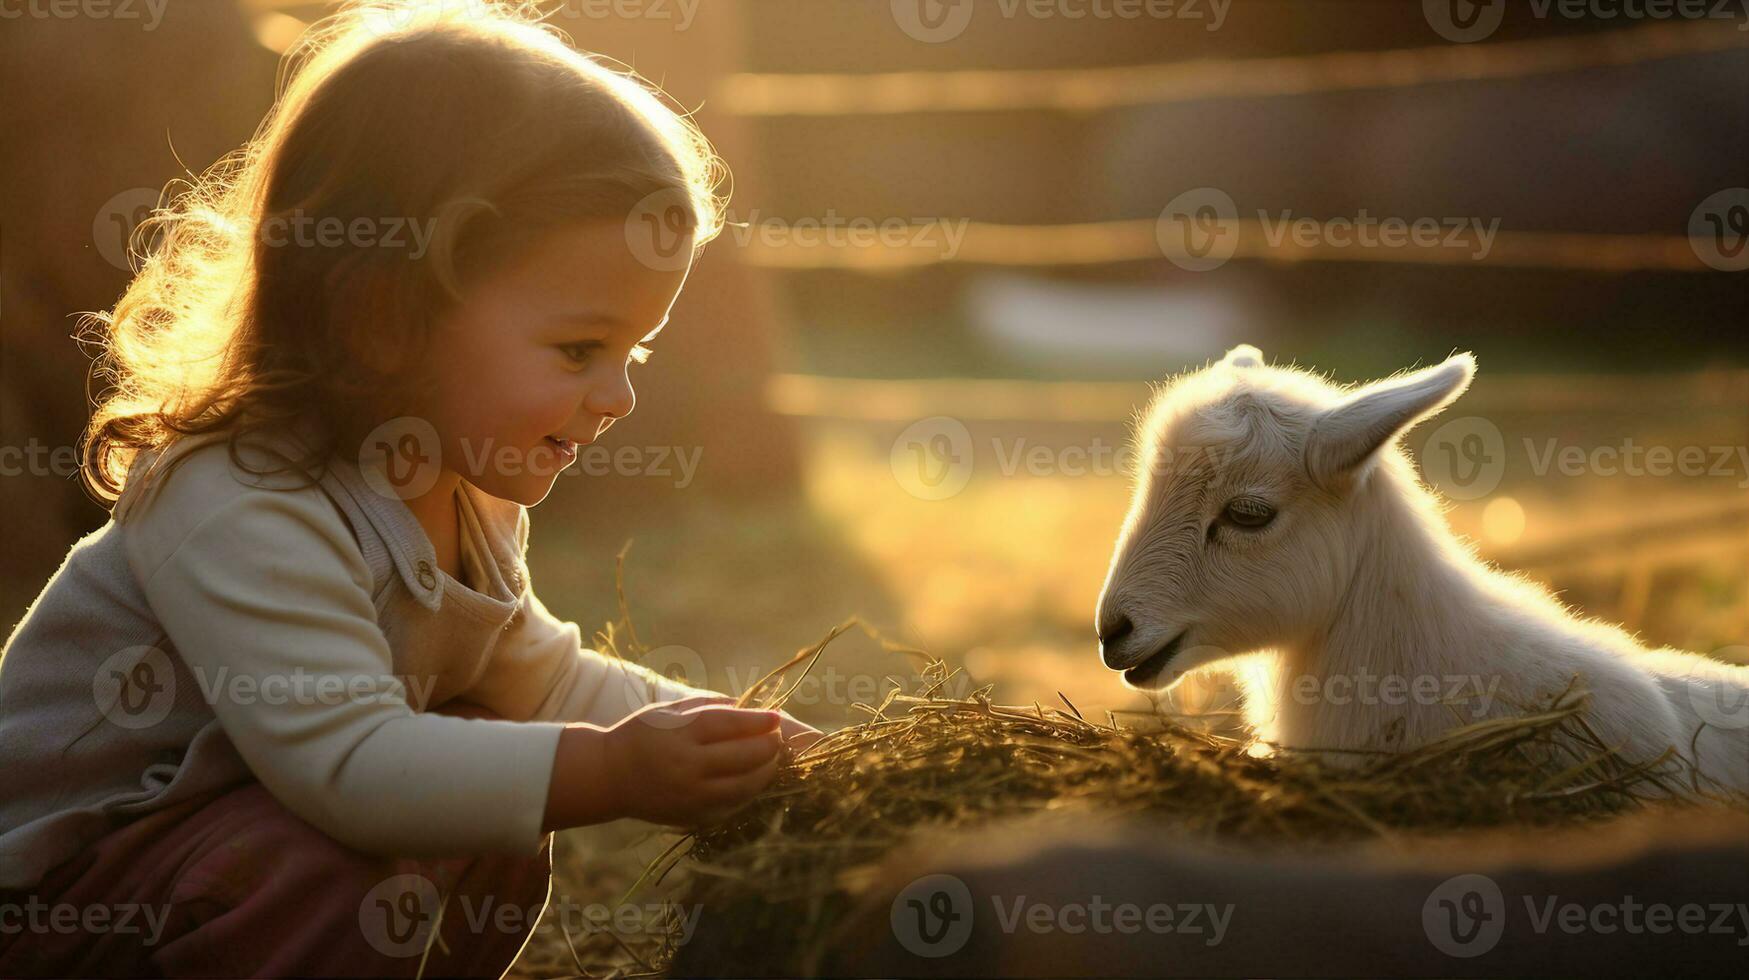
{"x":475,"y":122}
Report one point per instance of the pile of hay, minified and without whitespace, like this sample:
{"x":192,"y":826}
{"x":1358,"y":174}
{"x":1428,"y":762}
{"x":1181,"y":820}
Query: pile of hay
{"x":784,"y":867}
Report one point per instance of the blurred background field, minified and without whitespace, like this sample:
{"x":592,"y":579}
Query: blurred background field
{"x":1001,"y":577}
{"x":930,"y":435}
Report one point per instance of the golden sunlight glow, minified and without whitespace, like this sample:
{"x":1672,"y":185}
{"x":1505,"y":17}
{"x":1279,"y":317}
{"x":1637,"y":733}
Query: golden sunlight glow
{"x":277,"y":32}
{"x":1503,"y":521}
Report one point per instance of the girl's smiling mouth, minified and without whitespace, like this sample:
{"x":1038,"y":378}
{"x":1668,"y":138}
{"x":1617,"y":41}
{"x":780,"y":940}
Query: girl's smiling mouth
{"x":566,"y":447}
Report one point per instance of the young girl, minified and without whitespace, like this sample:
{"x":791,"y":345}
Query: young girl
{"x":297,"y":703}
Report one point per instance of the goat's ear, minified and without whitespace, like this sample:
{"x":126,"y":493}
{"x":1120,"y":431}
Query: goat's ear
{"x":1243,"y":356}
{"x":1344,"y":441}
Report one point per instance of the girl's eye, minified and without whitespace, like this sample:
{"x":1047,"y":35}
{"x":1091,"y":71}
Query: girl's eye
{"x":582,"y":351}
{"x":1248,"y":513}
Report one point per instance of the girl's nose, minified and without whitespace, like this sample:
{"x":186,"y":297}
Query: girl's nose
{"x":614,"y":398}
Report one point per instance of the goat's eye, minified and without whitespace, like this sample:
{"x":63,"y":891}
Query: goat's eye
{"x":1248,"y":512}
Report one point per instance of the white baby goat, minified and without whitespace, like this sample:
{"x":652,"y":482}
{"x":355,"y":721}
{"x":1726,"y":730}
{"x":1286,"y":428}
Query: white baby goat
{"x":1276,"y":513}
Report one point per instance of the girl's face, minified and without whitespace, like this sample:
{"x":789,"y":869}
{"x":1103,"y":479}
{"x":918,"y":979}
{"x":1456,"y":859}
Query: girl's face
{"x":540,"y":350}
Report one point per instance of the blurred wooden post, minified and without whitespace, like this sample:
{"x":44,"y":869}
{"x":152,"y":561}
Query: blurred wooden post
{"x":191,"y":86}
{"x":705,"y":391}
{"x":197,"y":83}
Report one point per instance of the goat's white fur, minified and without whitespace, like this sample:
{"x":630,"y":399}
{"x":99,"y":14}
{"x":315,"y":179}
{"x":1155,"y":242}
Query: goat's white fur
{"x":1359,"y":574}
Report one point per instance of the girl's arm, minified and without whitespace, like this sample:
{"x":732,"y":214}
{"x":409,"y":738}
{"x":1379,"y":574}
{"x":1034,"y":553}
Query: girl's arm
{"x":263,"y":590}
{"x":540,"y":670}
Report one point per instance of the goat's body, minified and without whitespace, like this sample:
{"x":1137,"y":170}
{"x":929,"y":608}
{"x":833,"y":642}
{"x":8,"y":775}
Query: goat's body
{"x":1280,"y":513}
{"x":1422,"y":608}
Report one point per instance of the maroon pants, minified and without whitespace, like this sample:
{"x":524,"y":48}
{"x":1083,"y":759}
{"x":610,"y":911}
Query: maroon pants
{"x":236,"y":885}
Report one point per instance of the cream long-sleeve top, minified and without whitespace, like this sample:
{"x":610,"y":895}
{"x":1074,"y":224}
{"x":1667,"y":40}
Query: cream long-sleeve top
{"x":224,"y":626}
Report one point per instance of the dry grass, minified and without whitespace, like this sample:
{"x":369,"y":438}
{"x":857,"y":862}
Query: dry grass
{"x":779,"y":875}
{"x":1000,"y":582}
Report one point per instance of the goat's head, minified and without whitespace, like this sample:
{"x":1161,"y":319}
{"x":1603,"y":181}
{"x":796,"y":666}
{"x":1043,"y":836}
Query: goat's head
{"x":1247,"y":506}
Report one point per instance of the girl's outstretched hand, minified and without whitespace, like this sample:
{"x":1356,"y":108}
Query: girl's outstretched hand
{"x":692,"y":762}
{"x":797,"y":734}
{"x":685,"y":763}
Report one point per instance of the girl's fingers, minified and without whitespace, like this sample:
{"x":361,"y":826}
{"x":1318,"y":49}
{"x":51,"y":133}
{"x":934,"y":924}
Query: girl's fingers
{"x":799,"y":734}
{"x":716,"y":723}
{"x":697,"y":700}
{"x":738,"y":755}
{"x":734,"y":791}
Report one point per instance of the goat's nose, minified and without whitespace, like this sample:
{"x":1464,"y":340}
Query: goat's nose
{"x":1113,"y":628}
